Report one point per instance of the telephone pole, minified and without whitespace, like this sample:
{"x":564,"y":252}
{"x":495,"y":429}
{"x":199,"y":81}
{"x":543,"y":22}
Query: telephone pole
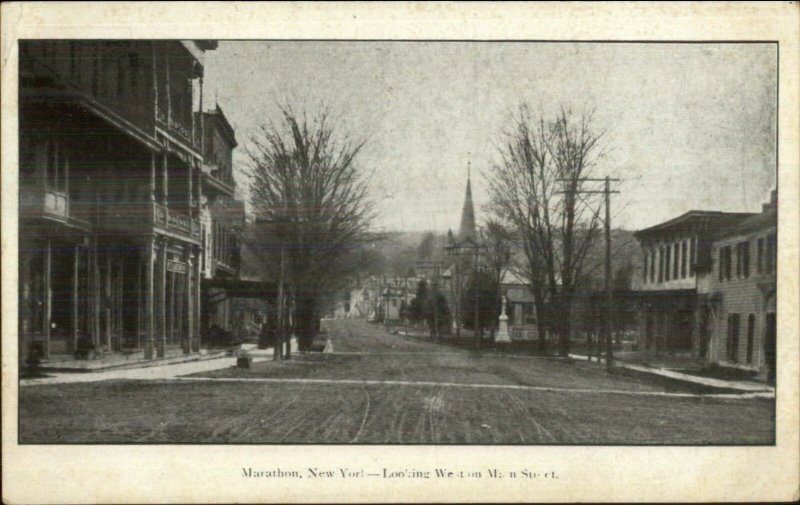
{"x":609,"y":295}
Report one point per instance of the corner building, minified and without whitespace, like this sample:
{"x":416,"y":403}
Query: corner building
{"x":110,"y":170}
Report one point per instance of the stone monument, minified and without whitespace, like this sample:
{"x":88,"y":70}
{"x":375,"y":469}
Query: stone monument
{"x":502,"y":336}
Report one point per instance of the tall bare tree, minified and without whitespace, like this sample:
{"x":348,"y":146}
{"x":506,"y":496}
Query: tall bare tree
{"x":536,"y":189}
{"x":313,"y":210}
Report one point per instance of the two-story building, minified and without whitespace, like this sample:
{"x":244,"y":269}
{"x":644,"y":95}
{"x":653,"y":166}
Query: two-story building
{"x":675,"y":268}
{"x":110,"y":175}
{"x":739,"y":308}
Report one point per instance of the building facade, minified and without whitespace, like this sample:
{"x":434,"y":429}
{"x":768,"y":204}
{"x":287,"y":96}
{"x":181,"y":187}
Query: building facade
{"x":676,"y":265}
{"x":739,"y":301}
{"x":110,"y":183}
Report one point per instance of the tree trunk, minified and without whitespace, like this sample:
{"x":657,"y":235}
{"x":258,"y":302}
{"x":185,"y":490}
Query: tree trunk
{"x":542,"y":318}
{"x":564,"y":323}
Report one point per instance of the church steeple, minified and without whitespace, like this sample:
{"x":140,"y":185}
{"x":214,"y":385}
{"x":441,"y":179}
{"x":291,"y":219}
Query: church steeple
{"x":467,"y":228}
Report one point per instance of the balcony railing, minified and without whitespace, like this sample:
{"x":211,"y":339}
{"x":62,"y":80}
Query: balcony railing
{"x":219,"y":181}
{"x":133,"y":216}
{"x":175,"y":222}
{"x":48,"y":203}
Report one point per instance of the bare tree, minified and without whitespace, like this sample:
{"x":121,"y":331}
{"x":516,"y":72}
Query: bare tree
{"x":497,"y":244}
{"x":536,"y":189}
{"x":313,"y":210}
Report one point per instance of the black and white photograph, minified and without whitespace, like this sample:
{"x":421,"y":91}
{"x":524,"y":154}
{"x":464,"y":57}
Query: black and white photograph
{"x":398,"y":242}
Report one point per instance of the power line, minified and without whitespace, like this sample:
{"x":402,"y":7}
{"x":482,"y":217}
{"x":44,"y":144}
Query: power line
{"x":609,"y":295}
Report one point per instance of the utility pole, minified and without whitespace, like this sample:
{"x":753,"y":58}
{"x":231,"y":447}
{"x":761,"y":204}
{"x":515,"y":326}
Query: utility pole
{"x":280,"y":337}
{"x":436,"y":302}
{"x":609,"y":296}
{"x":478,"y":330}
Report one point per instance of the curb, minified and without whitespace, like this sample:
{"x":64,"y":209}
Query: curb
{"x":744,"y":387}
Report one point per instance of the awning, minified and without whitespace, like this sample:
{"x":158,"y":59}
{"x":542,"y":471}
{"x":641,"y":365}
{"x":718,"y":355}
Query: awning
{"x":237,"y":288}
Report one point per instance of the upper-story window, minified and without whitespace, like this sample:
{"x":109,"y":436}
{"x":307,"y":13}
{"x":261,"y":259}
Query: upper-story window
{"x":644,"y":267}
{"x":693,"y":257}
{"x":652,"y":265}
{"x":760,"y":255}
{"x":660,"y":264}
{"x":725,"y":263}
{"x":743,"y":260}
{"x":676,"y":267}
{"x":55,"y":162}
{"x":771,"y":253}
{"x":668,"y":250}
{"x":684,"y":258}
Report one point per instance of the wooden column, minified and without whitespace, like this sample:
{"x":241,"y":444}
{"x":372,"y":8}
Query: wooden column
{"x":162,"y":338}
{"x":48,"y":297}
{"x":198,"y":300}
{"x":165,"y":178}
{"x":190,"y":328}
{"x":152,"y":189}
{"x":150,"y":257}
{"x":75,"y":282}
{"x":190,"y":174}
{"x":97,"y":294}
{"x":109,"y":301}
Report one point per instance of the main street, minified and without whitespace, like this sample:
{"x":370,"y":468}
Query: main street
{"x":383,"y":388}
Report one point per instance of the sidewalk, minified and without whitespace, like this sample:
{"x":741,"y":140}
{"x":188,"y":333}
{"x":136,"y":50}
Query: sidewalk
{"x":744,"y":386}
{"x":166,"y":369}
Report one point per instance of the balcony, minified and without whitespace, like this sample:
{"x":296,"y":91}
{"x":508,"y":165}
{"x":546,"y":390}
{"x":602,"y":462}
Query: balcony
{"x":48,"y":204}
{"x":217,"y":181}
{"x":135,"y":217}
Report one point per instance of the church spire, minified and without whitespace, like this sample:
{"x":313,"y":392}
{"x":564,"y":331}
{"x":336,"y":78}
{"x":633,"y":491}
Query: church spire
{"x":467,"y":228}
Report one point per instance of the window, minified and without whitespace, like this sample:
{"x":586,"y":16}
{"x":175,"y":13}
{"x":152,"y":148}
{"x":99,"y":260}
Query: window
{"x":668,"y":250}
{"x":725,"y":258}
{"x":56,"y":165}
{"x":72,"y":58}
{"x":133,"y":64}
{"x":738,"y":260}
{"x":684,"y":258}
{"x":744,"y":255}
{"x":660,"y":264}
{"x":751,"y":329}
{"x":733,"y":337}
{"x":676,"y":265}
{"x":693,"y":260}
{"x":760,"y":256}
{"x":771,"y":254}
{"x":644,"y":269}
{"x":652,"y":265}
{"x":121,"y":78}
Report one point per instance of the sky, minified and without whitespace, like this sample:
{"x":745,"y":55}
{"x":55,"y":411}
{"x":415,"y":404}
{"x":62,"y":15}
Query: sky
{"x":687,"y":126}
